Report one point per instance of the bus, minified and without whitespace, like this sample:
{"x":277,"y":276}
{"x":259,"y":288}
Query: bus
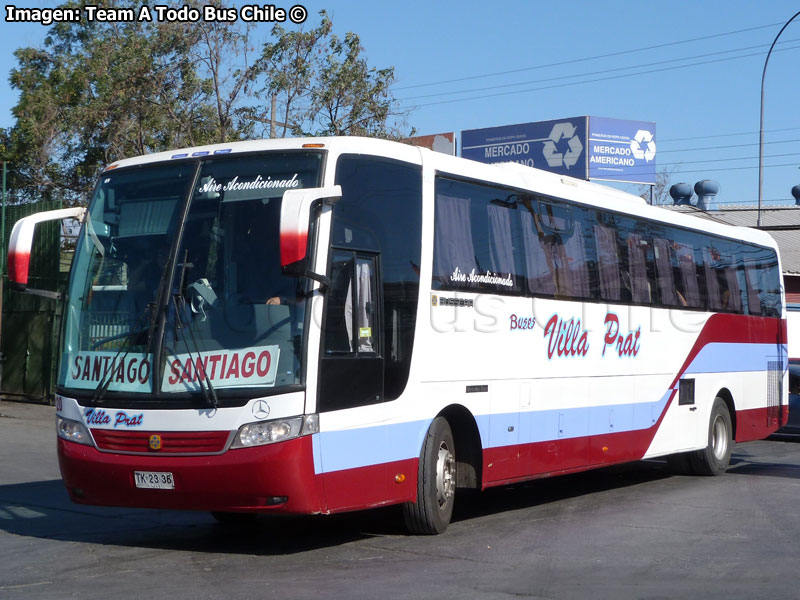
{"x":320,"y":325}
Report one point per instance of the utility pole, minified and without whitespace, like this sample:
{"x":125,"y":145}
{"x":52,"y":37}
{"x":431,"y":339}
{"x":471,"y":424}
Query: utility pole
{"x":761,"y":124}
{"x":272,"y":122}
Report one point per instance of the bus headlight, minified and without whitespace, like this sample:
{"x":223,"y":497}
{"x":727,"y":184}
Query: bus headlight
{"x":72,"y":431}
{"x":277,"y":430}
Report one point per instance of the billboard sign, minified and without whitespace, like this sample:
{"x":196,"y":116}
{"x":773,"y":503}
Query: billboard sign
{"x":558,"y":146}
{"x":620,"y":150}
{"x":594,"y":148}
{"x":439,"y":142}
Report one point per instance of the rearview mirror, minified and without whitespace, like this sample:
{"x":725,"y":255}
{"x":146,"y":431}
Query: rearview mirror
{"x":295,"y":223}
{"x":21,"y":242}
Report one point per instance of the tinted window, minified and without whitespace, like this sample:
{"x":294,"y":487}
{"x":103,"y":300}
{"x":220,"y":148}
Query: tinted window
{"x":477,"y":238}
{"x":500,"y":240}
{"x":381,"y":212}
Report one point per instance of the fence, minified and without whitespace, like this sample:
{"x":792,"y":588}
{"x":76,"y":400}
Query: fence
{"x":30,"y":326}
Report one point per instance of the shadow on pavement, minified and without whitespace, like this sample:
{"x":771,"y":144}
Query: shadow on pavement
{"x":763,"y":469}
{"x":43,"y":510}
{"x":539,"y":492}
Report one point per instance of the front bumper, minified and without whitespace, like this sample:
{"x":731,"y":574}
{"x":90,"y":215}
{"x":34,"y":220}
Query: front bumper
{"x":272,"y":478}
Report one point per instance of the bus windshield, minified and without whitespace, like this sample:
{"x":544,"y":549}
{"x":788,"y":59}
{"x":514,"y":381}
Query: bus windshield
{"x":176,"y":287}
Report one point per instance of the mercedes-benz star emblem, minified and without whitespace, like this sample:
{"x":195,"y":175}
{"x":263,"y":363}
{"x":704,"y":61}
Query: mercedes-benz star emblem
{"x":261,"y":409}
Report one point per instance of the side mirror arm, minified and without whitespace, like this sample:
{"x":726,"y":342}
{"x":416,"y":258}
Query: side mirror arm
{"x":323,"y":280}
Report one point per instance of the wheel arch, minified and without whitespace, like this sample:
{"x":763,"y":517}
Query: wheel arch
{"x":726,"y":395}
{"x":469,"y":450}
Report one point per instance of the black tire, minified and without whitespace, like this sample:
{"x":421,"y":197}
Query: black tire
{"x":436,"y":482}
{"x":716,"y":456}
{"x":235,"y":519}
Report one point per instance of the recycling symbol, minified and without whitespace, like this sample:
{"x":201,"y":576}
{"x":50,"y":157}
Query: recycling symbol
{"x":643,"y":146}
{"x":569,"y":158}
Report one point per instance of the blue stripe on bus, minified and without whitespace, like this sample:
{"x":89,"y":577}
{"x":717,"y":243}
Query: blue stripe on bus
{"x":565,"y":423}
{"x":369,"y":446}
{"x":721,"y":357}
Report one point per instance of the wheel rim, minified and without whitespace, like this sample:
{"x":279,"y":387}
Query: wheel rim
{"x":445,"y":475}
{"x":719,"y":438}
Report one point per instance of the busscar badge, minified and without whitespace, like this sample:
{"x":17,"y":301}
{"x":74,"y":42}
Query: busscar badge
{"x":155,"y":442}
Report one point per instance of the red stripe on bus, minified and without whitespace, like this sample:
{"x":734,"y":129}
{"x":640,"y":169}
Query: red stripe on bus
{"x":371,"y":486}
{"x":735,"y":329}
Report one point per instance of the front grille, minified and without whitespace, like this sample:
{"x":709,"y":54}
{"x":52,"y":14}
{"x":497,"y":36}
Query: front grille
{"x":172,"y":442}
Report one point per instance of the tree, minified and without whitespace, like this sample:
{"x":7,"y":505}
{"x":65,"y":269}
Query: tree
{"x":223,"y":49}
{"x":289,"y":66}
{"x":30,"y":145}
{"x":100,"y":91}
{"x":324,"y":85}
{"x":660,"y":190}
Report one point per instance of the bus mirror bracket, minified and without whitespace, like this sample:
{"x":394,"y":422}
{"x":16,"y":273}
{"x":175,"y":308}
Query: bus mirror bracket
{"x":294,"y":228}
{"x":21,"y":242}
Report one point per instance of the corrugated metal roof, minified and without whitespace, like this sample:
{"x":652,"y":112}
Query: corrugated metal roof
{"x":789,"y":244}
{"x":785,"y":217}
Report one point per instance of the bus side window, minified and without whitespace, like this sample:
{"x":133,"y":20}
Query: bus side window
{"x":711,"y":258}
{"x":366,"y":303}
{"x":665,"y":277}
{"x":687,"y":268}
{"x":564,"y":226}
{"x":634,"y":272}
{"x":339,"y":320}
{"x":539,"y":268}
{"x":608,"y":264}
{"x":350,"y":322}
{"x":454,"y":252}
{"x":752,"y":280}
{"x":763,"y":284}
{"x":731,"y":296}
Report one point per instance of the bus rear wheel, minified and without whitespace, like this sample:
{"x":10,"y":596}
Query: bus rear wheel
{"x":436,"y":482}
{"x":716,"y":456}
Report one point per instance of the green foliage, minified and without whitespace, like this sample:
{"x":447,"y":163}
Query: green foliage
{"x":101,"y":91}
{"x":323,"y":85}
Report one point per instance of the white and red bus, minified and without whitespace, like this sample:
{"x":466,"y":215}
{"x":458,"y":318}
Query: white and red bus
{"x":326,"y":325}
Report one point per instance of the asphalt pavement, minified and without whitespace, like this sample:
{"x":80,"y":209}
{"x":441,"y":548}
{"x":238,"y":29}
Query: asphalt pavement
{"x":634,"y":531}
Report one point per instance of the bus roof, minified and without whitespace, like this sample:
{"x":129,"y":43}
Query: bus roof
{"x":509,"y":174}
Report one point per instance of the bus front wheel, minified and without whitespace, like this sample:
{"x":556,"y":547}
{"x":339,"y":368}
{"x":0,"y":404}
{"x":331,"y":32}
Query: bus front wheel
{"x":436,"y":482}
{"x":715,"y":457}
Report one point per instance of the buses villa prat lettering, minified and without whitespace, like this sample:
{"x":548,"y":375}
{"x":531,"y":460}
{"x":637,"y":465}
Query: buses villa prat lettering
{"x":567,"y":337}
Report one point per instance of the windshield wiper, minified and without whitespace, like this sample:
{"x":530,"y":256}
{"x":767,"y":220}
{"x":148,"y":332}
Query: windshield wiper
{"x":209,"y":393}
{"x":158,"y":323}
{"x":105,"y":381}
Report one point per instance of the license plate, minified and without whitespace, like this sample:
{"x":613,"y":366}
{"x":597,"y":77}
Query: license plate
{"x":154,"y":480}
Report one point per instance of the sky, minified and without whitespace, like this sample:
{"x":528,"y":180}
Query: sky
{"x":692,"y":67}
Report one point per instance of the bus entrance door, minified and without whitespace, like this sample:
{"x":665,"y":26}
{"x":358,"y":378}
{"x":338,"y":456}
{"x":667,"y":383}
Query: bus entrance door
{"x":350,"y":377}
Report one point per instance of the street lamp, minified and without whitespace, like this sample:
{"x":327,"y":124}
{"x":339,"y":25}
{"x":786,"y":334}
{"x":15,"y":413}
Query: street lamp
{"x":761,"y":125}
